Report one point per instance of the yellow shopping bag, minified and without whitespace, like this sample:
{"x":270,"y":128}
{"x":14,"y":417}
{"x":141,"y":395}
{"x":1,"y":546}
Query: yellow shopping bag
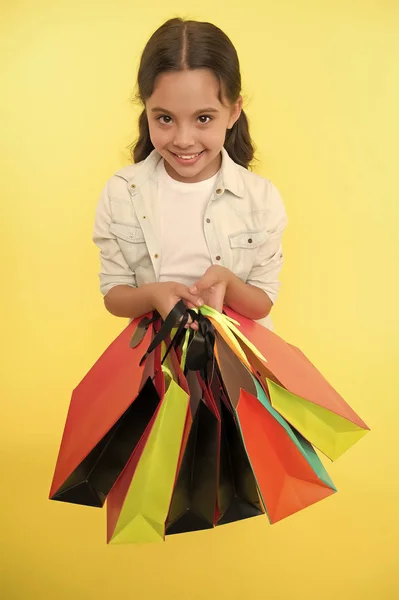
{"x":328,"y":432}
{"x":138,"y":505}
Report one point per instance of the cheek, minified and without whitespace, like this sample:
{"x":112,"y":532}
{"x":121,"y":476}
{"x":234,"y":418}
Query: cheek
{"x":159,"y":137}
{"x":216,"y":135}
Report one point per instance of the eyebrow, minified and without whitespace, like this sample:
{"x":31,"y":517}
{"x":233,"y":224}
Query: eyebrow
{"x":198,"y":112}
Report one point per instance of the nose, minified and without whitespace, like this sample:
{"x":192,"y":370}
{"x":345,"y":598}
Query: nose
{"x":183,"y":137}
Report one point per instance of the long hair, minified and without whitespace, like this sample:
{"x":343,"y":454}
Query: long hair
{"x":179,"y":45}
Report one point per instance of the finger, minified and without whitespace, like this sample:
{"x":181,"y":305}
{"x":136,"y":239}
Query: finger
{"x":191,"y":305}
{"x":185,"y":295}
{"x":219,"y":299}
{"x":191,"y":324}
{"x":206,"y":282}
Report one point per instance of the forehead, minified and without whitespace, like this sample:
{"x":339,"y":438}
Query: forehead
{"x":186,"y":91}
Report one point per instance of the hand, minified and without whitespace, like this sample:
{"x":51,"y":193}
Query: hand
{"x":166,"y":295}
{"x":212,"y":286}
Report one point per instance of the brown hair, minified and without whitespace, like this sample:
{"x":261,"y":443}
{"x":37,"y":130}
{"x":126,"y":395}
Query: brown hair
{"x":178,"y":45}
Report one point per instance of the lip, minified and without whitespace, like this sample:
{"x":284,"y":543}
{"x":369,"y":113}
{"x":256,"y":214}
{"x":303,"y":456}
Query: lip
{"x":186,"y":162}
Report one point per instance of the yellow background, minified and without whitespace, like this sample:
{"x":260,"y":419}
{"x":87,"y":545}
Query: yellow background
{"x":322,"y":92}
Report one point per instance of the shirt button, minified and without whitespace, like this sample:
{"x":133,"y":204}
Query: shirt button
{"x":156,"y":255}
{"x":133,"y":186}
{"x":250,"y":241}
{"x":219,"y":191}
{"x":208,"y":220}
{"x":144,"y":217}
{"x":218,"y":258}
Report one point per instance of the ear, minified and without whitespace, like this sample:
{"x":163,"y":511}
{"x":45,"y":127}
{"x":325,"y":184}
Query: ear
{"x":235,"y":112}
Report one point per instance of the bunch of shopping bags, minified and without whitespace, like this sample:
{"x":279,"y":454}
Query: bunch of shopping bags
{"x":179,"y":429}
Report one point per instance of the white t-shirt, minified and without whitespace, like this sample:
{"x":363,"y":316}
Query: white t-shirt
{"x":184,"y":251}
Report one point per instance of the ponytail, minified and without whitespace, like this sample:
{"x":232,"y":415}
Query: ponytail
{"x":238,"y":142}
{"x":143,"y":146}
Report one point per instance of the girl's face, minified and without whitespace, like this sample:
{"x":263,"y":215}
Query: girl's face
{"x":188,"y":123}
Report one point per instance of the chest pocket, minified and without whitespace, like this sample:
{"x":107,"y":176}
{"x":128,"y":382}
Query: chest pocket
{"x":131,"y":242}
{"x":248,"y":239}
{"x":244,"y":248}
{"x":128,"y":233}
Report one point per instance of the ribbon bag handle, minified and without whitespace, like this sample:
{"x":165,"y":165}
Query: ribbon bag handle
{"x":177,"y":316}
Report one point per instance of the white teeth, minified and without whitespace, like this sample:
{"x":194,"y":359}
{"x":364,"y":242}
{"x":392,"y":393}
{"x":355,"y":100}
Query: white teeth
{"x":189,"y":157}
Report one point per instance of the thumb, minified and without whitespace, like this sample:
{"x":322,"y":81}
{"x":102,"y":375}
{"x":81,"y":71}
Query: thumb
{"x":204,"y":283}
{"x":185,"y":294}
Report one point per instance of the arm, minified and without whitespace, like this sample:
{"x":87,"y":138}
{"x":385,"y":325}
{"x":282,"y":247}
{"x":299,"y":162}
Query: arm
{"x":246,"y":299}
{"x":114,"y":269}
{"x":219,"y":286}
{"x":125,"y":301}
{"x":265,"y":272}
{"x":130,"y":302}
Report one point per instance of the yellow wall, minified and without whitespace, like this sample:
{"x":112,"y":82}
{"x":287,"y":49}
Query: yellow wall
{"x":322,"y":89}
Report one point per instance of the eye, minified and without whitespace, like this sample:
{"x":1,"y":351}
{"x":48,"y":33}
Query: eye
{"x":164,"y":117}
{"x":205,"y":117}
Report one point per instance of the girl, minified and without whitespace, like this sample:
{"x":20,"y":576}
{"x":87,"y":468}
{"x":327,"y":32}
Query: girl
{"x":188,"y":220}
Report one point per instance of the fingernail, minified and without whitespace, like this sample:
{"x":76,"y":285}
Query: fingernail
{"x":200,"y":302}
{"x":193,"y":290}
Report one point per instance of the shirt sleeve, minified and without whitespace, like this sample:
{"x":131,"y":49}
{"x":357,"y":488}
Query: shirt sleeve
{"x":114,"y":268}
{"x":269,"y":260}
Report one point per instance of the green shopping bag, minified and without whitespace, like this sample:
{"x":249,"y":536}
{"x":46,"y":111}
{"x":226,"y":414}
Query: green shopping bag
{"x":139,"y":515}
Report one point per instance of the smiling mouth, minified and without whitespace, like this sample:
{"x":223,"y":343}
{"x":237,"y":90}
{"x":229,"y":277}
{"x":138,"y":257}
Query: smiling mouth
{"x":187,"y":156}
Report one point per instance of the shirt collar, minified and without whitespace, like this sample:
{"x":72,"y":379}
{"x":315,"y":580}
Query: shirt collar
{"x":229,"y":176}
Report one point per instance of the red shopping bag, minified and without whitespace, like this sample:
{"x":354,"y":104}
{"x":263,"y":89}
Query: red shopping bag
{"x":288,"y":472}
{"x":287,"y":366}
{"x":108,"y":413}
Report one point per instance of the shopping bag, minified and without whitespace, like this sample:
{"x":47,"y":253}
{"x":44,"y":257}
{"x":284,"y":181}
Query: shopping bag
{"x":238,"y":496}
{"x":181,"y":431}
{"x":108,"y":413}
{"x":138,"y":504}
{"x":289,"y":474}
{"x":327,"y":431}
{"x":127,"y":519}
{"x":195,"y":492}
{"x":297,"y":390}
{"x":175,"y":360}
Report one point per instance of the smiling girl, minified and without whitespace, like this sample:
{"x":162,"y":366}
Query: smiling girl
{"x":188,"y":220}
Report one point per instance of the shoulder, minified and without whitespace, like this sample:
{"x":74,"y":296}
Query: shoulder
{"x":118,"y":184}
{"x":260,"y":192}
{"x":252,"y":181}
{"x":259,"y":196}
{"x":126,"y":173}
{"x":132,"y":175}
